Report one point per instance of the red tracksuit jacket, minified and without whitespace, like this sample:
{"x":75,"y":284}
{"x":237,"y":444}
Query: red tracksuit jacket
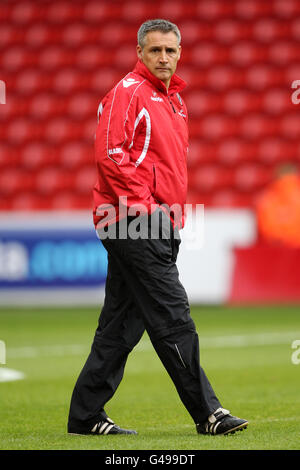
{"x":141,"y":144}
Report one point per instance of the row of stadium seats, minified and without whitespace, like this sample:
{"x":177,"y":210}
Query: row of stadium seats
{"x":61,"y":130}
{"x":83,"y":105}
{"x":66,"y":81}
{"x":203,"y":54}
{"x":29,"y":201}
{"x":216,"y":108}
{"x":207,"y":178}
{"x":65,"y":200}
{"x":226,"y":31}
{"x":71,"y":200}
{"x":228,"y":152}
{"x":46,"y":181}
{"x":25,"y":12}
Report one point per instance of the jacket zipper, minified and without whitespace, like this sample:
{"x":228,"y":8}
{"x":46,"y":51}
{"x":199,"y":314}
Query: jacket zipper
{"x":171,"y":104}
{"x":154,"y":175}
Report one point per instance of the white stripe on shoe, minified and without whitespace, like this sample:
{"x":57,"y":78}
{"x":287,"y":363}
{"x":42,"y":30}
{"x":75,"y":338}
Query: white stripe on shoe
{"x":103,"y":428}
{"x":108,"y":428}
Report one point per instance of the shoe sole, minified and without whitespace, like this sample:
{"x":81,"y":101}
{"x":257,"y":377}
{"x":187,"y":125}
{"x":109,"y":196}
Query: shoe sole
{"x":241,"y":427}
{"x":95,"y":434}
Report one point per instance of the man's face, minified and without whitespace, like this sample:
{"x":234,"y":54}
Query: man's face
{"x":160,"y":54}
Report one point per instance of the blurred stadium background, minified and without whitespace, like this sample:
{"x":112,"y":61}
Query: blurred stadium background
{"x":240,"y":60}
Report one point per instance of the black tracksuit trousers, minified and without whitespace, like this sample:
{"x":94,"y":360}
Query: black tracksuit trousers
{"x":143,"y":291}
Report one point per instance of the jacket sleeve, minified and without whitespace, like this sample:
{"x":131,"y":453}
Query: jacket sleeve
{"x":118,"y":131}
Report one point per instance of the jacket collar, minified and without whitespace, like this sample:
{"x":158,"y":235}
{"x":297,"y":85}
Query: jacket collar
{"x":176,"y":84}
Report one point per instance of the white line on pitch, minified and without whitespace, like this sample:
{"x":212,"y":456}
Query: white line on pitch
{"x":230,"y":341}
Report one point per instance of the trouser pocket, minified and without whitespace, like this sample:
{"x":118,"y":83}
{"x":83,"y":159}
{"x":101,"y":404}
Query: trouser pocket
{"x":175,"y":242}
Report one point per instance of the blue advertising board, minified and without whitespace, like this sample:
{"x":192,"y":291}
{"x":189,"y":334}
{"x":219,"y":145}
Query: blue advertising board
{"x":57,"y":258}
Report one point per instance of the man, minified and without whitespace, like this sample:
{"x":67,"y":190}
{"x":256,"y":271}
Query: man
{"x":141,"y":148}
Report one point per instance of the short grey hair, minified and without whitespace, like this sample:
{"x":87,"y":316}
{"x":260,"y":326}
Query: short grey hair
{"x":164,"y":26}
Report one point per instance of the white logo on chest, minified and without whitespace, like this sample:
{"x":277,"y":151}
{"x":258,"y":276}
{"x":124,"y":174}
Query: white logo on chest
{"x":154,"y":97}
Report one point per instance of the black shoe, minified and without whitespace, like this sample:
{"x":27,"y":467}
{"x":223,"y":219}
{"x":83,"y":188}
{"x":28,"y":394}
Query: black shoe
{"x":107,"y":426}
{"x":221,"y":422}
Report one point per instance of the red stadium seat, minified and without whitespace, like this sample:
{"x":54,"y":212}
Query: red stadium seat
{"x":283,"y":53}
{"x":68,"y":201}
{"x":192,"y":77}
{"x":103,"y":80}
{"x":68,"y":80}
{"x":28,"y":201}
{"x":190,"y":32}
{"x":43,"y":106}
{"x":75,"y":154}
{"x":63,"y":12}
{"x":96,"y":12}
{"x":277,"y":101}
{"x":246,"y":53}
{"x":135,"y":11}
{"x":91,"y":57}
{"x":28,"y":82}
{"x":212,"y":9}
{"x":19,"y":131}
{"x":88,"y":131}
{"x":268,"y":30}
{"x":262,"y":76}
{"x":209,"y":178}
{"x":82,"y":106}
{"x":37,"y":155}
{"x":22,"y":12}
{"x":286,"y":9}
{"x":53,"y":180}
{"x":256,"y":126}
{"x":290,"y":126}
{"x":202,"y":102}
{"x":200,"y":151}
{"x":276,"y":150}
{"x":75,"y":34}
{"x":5,"y":204}
{"x":290,"y":72}
{"x":14,"y":58}
{"x":124,"y":57}
{"x":8,"y":37}
{"x":13,"y":180}
{"x":175,"y":10}
{"x":229,"y":31}
{"x":9,"y":156}
{"x":251,"y":9}
{"x":224,"y":77}
{"x":85,"y":179}
{"x":38,"y":35}
{"x":237,"y":102}
{"x":54,"y":57}
{"x":231,"y":198}
{"x":61,"y":130}
{"x":218,"y":126}
{"x":208,"y":53}
{"x":251,"y":177}
{"x":295,"y":28}
{"x":231,"y":152}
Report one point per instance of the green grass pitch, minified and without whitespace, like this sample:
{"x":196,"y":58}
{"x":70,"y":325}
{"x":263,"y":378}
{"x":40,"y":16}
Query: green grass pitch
{"x":245,"y":351}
